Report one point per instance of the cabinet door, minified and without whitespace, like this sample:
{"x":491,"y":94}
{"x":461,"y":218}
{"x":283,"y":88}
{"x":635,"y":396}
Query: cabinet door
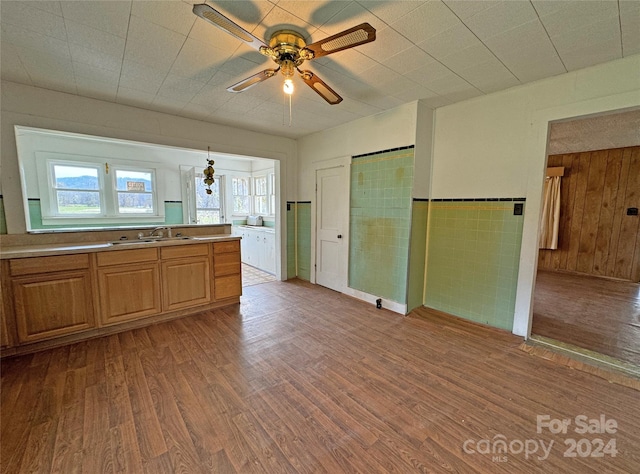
{"x":228,"y":286}
{"x":186,"y":282}
{"x":5,"y":341}
{"x":128,"y":292}
{"x":269,"y":253}
{"x":244,"y":246}
{"x":51,"y":305}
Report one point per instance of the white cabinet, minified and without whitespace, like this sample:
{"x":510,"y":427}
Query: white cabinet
{"x":258,"y":247}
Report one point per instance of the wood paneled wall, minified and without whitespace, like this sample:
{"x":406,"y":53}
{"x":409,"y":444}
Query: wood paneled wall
{"x":596,"y":235}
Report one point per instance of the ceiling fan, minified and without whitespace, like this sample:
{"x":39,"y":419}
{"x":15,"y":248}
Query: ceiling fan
{"x":288,"y":50}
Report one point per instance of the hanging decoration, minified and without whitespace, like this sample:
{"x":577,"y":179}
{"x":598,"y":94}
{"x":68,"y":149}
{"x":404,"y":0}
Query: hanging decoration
{"x":208,"y":171}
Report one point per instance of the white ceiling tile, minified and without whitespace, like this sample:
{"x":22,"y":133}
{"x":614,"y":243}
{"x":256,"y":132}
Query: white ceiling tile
{"x":448,"y":84}
{"x":467,"y":57}
{"x":449,"y":41}
{"x":435,"y":102}
{"x":409,"y":60}
{"x":179,"y":88}
{"x":414,"y":93}
{"x":174,"y":15}
{"x":160,"y":54}
{"x":378,"y":74}
{"x":465,"y":94}
{"x":426,"y":21}
{"x":388,"y":43}
{"x":23,"y":15}
{"x":467,"y":8}
{"x":501,"y":17}
{"x":353,"y":14}
{"x":198,"y":61}
{"x":207,"y":33}
{"x":95,"y":58}
{"x":247,"y":14}
{"x":429,"y":72}
{"x":630,"y":25}
{"x":313,"y":12}
{"x":60,"y":83}
{"x":49,"y":6}
{"x":137,"y":76}
{"x":12,"y":68}
{"x":211,"y":98}
{"x":390,"y":11}
{"x":168,"y":105}
{"x":574,"y":15}
{"x":591,"y":55}
{"x":350,"y":62}
{"x":97,"y":89}
{"x":279,"y":19}
{"x":595,"y":33}
{"x":489,"y":77}
{"x":22,"y":38}
{"x":241,"y":68}
{"x":93,"y":39}
{"x":112,"y":17}
{"x":47,"y":70}
{"x":96,"y":74}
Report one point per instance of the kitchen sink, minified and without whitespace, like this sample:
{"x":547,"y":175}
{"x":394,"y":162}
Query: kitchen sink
{"x":150,"y":240}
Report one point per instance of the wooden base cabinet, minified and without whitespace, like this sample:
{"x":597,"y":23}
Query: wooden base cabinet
{"x":186,"y":276}
{"x":227,"y":270}
{"x":51,"y":305}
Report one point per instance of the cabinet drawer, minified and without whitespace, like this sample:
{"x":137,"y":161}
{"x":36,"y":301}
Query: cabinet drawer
{"x":31,"y":266}
{"x":228,"y":286}
{"x":118,"y":257}
{"x":226,"y":247}
{"x":226,"y":264}
{"x":181,"y":251}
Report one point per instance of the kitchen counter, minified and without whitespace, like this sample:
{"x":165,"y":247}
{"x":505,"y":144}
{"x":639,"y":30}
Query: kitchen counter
{"x":43,"y":250}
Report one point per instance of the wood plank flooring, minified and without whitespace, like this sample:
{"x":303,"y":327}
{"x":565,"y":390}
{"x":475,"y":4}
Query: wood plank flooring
{"x":299,"y":378}
{"x":598,"y":314}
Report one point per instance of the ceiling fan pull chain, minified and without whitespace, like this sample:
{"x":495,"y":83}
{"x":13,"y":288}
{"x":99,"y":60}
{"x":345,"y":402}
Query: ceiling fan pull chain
{"x":290,"y":112}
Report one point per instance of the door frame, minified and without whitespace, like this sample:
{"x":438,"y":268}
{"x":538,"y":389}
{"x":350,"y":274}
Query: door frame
{"x":345,"y":163}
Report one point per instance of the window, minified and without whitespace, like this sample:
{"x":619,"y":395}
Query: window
{"x":76,"y":190}
{"x":96,"y":192}
{"x":241,"y":192}
{"x":272,"y":193}
{"x":260,"y":196}
{"x":208,"y":206}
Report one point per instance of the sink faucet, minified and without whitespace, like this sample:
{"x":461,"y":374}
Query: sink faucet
{"x":153,"y":232}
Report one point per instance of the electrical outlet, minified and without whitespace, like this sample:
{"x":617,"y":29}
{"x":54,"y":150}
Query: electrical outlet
{"x":518,"y":208}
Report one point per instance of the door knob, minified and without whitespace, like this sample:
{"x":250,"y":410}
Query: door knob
{"x":339,"y":236}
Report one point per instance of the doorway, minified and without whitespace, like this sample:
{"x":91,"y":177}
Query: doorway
{"x":587,"y":291}
{"x":331,"y":219}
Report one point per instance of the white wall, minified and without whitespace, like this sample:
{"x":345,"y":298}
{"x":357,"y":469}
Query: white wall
{"x":495,"y":146}
{"x":390,"y":129}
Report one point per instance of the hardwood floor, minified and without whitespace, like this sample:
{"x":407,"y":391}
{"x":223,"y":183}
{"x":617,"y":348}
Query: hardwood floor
{"x":594,"y":313}
{"x":299,"y":378}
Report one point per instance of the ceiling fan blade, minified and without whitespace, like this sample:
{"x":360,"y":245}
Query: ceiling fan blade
{"x":321,"y":88}
{"x":216,"y":18}
{"x":361,"y":34}
{"x":251,"y":81}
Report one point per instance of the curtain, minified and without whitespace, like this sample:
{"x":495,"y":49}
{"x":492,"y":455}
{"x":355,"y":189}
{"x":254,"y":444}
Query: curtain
{"x":550,"y":217}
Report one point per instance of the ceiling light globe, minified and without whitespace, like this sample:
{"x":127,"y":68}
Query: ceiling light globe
{"x":288,"y":86}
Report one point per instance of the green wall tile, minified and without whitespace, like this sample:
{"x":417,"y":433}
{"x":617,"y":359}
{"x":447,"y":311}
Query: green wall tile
{"x":472,"y":268}
{"x":380,"y":223}
{"x":291,"y":244}
{"x":417,"y":251}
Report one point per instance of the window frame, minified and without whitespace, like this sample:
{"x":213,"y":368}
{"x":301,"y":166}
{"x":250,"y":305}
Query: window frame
{"x":109,"y":212}
{"x":255,"y":195}
{"x":221,"y":209}
{"x":248,"y":196}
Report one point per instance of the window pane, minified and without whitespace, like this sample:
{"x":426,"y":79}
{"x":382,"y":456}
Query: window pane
{"x":134,"y":181}
{"x":208,"y":216}
{"x":135,"y":203}
{"x":78,"y":202}
{"x":240,"y":186}
{"x":261,"y":186}
{"x":75,"y":177}
{"x":261,"y":205}
{"x":241,"y":204}
{"x":204,"y":200}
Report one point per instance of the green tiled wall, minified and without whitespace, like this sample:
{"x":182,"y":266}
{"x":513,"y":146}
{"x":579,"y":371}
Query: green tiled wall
{"x":3,"y":221}
{"x":417,"y":251}
{"x":172,"y":215}
{"x":291,"y":240}
{"x":304,"y":240}
{"x":380,"y":218}
{"x":472,"y":267}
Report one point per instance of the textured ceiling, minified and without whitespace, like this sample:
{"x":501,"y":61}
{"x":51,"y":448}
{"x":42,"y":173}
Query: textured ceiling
{"x":595,"y":133}
{"x":158,"y":55}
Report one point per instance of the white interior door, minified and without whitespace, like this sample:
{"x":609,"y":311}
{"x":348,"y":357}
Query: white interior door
{"x":332,"y":198}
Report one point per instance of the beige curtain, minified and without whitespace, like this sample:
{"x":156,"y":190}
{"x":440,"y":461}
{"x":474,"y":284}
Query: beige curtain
{"x":550,"y":217}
